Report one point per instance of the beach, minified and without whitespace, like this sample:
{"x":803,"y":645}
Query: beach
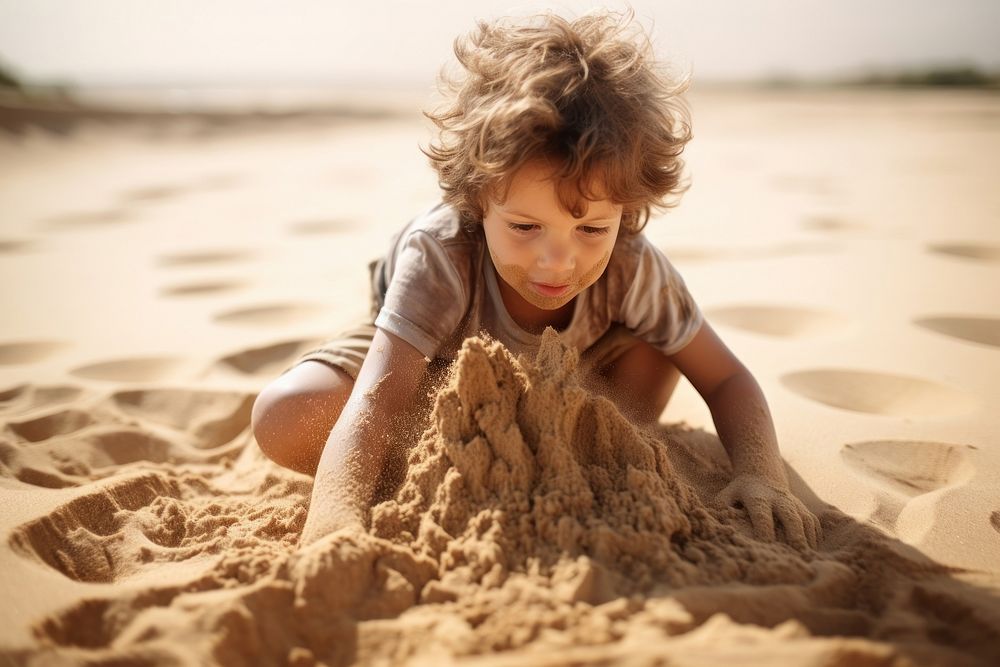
{"x":158,"y":273}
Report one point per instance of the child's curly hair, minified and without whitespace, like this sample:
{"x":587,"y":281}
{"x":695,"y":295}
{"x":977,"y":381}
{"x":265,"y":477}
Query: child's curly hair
{"x":577,"y":93}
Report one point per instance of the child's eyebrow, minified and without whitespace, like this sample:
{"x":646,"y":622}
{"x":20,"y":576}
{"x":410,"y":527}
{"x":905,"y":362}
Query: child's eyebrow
{"x":598,"y":219}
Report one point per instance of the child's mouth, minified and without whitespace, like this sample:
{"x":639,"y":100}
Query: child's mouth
{"x":549,"y":290}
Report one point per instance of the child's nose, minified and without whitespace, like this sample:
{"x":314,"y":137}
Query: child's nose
{"x":557,"y":255}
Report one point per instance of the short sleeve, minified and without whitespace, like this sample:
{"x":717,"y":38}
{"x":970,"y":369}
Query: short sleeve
{"x":657,"y":306}
{"x":426,"y":298}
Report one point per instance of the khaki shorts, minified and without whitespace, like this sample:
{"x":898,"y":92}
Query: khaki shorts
{"x":348,"y":349}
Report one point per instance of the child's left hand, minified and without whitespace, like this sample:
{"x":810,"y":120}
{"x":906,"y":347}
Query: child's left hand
{"x":764,"y":502}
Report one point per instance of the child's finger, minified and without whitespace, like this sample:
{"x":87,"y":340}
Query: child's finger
{"x":725,"y":498}
{"x":795,"y":531}
{"x":761,"y":518}
{"x":817,"y":527}
{"x":811,"y":526}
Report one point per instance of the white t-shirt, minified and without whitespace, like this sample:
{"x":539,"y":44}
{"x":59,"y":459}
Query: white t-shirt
{"x":437,"y":286}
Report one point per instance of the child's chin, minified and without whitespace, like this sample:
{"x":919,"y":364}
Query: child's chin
{"x":548,"y":302}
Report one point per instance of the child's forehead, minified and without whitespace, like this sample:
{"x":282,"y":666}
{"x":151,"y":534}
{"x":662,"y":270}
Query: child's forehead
{"x":542,"y":177}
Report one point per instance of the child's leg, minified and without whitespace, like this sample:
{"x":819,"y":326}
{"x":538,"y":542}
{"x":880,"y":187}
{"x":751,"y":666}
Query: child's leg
{"x":293,"y":416}
{"x":635,"y":375}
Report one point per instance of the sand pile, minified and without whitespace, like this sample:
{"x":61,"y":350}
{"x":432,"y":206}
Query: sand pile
{"x":524,"y":471}
{"x":535,"y":525}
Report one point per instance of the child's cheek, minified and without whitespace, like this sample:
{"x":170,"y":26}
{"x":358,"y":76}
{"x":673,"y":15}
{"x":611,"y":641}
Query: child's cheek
{"x":517,"y":277}
{"x":593,"y":273}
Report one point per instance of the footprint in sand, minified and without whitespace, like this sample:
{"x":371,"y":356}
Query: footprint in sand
{"x":59,"y":422}
{"x":782,"y":321}
{"x":166,"y":529}
{"x":270,"y":314}
{"x":995,"y":520}
{"x":319,"y":227}
{"x":904,"y":470}
{"x":211,"y":418}
{"x":70,"y":447}
{"x":36,"y":466}
{"x":28,"y":352}
{"x":909,"y":467}
{"x":15,"y":246}
{"x":879,"y":393}
{"x":98,"y":550}
{"x":87,"y":219}
{"x":220,"y":181}
{"x":831,"y":225}
{"x":267,"y":360}
{"x":205,"y":257}
{"x":976,"y":251}
{"x":983,"y":330}
{"x":24,"y":397}
{"x":152,"y":193}
{"x":136,"y":369}
{"x":708,"y":254}
{"x":202,"y":288}
{"x":101,"y":450}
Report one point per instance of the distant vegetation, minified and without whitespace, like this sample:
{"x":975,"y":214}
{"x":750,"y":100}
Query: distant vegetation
{"x":16,"y":90}
{"x":961,"y":76}
{"x":8,"y":80}
{"x":934,"y":77}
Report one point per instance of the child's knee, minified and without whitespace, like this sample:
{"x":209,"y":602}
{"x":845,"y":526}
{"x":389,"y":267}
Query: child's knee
{"x":269,"y":419}
{"x":293,"y":414}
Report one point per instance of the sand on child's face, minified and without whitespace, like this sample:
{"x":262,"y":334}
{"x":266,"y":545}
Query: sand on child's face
{"x":552,"y":247}
{"x":518,"y":278}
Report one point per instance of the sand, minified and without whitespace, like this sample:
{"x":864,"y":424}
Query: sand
{"x":158,"y":279}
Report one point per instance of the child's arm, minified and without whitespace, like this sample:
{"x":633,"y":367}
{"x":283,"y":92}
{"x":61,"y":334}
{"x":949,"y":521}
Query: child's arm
{"x":746,"y":430}
{"x":367,"y":428}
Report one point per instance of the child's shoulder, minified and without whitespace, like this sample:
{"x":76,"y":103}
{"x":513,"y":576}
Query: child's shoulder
{"x":443,"y":223}
{"x":434,"y":238}
{"x":636,"y":262}
{"x":631,"y":243}
{"x":631,"y":250}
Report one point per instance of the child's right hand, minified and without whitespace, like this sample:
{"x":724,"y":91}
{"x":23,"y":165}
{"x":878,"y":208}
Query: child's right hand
{"x":764,"y":501}
{"x":328,"y":516}
{"x":354,"y":455}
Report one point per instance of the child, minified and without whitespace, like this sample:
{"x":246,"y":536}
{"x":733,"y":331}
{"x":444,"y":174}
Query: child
{"x":551,"y":155}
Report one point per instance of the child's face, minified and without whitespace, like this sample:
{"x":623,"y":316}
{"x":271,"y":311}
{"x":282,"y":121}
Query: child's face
{"x":540,"y":250}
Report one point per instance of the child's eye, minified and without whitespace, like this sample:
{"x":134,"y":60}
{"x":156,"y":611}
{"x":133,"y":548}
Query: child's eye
{"x":594,"y":231}
{"x":521,"y":226}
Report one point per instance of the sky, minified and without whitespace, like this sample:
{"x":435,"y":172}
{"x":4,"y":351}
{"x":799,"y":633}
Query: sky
{"x":405,"y":42}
